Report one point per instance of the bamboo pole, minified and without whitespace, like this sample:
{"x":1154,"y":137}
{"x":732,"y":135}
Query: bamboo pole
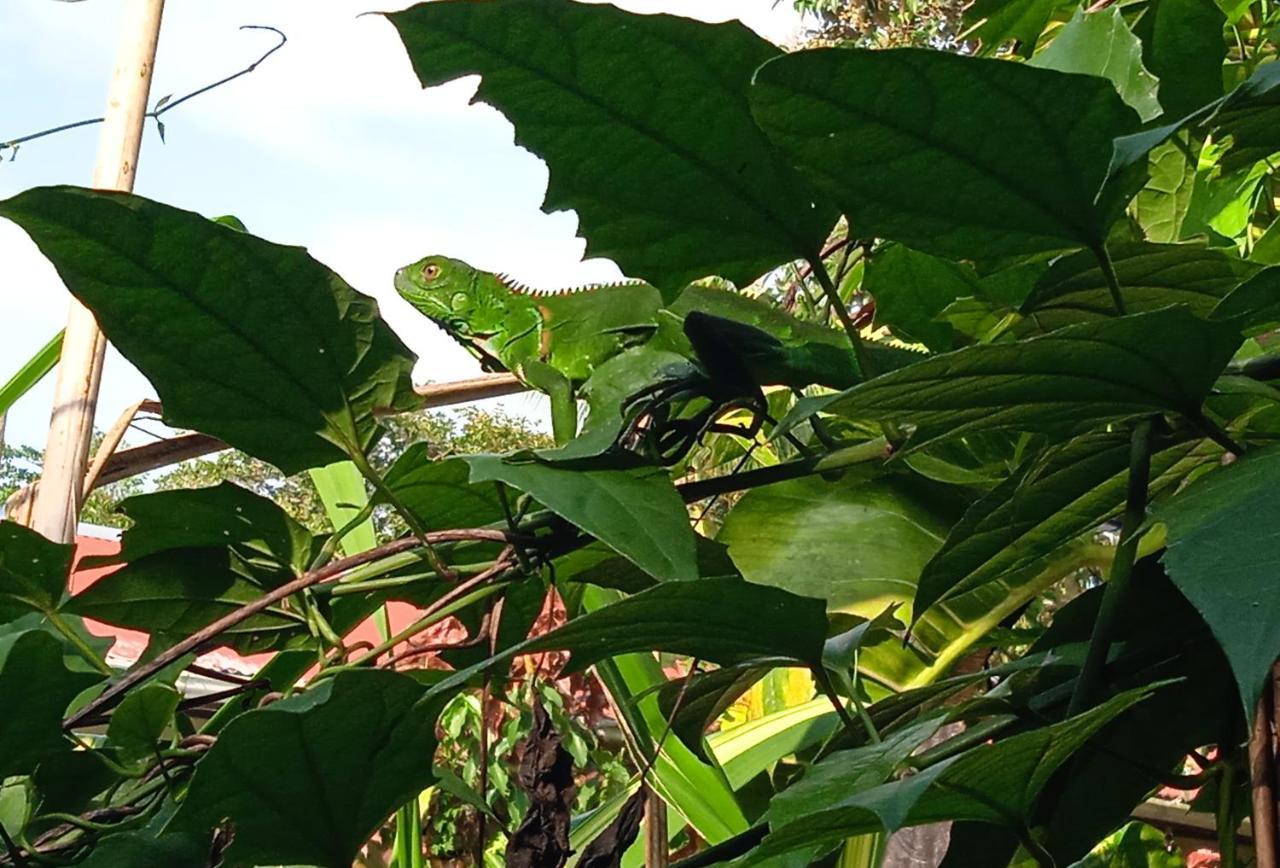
{"x":84,"y":347}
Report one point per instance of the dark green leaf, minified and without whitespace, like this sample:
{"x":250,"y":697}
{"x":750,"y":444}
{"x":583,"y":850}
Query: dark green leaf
{"x":635,"y":512}
{"x":1254,"y":303}
{"x":716,"y":620}
{"x":996,"y":783}
{"x":911,"y":289}
{"x":1100,"y":43}
{"x":1158,"y":637}
{"x":141,"y":719}
{"x":176,"y":593}
{"x":306,"y":780}
{"x":1018,"y":528}
{"x":440,"y":493}
{"x":1151,"y":276}
{"x":35,"y":689}
{"x":33,"y":571}
{"x":1222,"y":556}
{"x":951,"y":155}
{"x":68,"y":781}
{"x":1183,"y":47}
{"x":1164,"y":360}
{"x":224,"y":514}
{"x":246,"y":340}
{"x":672,"y":188}
{"x":695,"y":702}
{"x":141,"y":850}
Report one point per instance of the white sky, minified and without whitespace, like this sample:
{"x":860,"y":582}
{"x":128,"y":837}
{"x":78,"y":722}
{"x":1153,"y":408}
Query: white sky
{"x":330,"y":144}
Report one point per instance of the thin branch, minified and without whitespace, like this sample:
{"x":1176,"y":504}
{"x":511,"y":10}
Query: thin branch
{"x":331,"y":572}
{"x":163,"y":105}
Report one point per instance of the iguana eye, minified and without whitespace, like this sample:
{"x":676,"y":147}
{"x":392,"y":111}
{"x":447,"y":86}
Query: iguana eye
{"x":430,"y":272}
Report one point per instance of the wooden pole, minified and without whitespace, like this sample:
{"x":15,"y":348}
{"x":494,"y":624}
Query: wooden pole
{"x":80,"y":366}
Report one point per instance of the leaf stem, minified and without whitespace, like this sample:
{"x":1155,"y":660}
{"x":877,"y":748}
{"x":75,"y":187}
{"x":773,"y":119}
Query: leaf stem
{"x":1116,"y":593}
{"x":1109,"y":275}
{"x":865,"y":365}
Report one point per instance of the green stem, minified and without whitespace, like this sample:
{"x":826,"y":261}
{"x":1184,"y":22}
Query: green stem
{"x":865,"y":365}
{"x":1225,"y":817}
{"x":375,"y":479}
{"x":1116,"y":593}
{"x":867,"y":723}
{"x":872,"y":450}
{"x":423,"y":623}
{"x":823,"y":678}
{"x":342,"y":589}
{"x":1109,"y":274}
{"x":77,"y":642}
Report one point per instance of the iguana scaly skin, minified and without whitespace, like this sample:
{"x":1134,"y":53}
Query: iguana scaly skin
{"x":554,"y":341}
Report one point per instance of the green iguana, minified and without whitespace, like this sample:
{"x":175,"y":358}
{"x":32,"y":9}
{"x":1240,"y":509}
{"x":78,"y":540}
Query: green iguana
{"x":555,"y":340}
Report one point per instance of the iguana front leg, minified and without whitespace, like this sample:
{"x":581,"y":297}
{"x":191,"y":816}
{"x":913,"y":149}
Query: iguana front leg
{"x":564,"y":400}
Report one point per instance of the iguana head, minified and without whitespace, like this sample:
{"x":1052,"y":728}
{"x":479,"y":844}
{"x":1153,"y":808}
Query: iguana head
{"x":465,"y":300}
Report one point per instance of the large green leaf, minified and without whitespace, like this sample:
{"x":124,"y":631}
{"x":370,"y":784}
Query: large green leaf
{"x":644,"y":124}
{"x":141,"y":718}
{"x":224,"y":514}
{"x":635,"y":512}
{"x":952,"y":155}
{"x":1183,"y":46}
{"x":1100,"y":43}
{"x":35,"y":689}
{"x":250,"y":341}
{"x":912,"y":288}
{"x":179,"y":591}
{"x":33,"y":571}
{"x":1151,"y":276}
{"x":440,"y":493}
{"x":716,"y":620}
{"x":857,"y":544}
{"x":1222,"y":556}
{"x":1017,"y":529}
{"x":1164,"y":360}
{"x":995,"y":783}
{"x":862,"y":546}
{"x":306,"y":780}
{"x":31,"y":372}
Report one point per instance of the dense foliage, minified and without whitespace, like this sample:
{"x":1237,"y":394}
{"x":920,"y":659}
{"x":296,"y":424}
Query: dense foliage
{"x":1026,"y":559}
